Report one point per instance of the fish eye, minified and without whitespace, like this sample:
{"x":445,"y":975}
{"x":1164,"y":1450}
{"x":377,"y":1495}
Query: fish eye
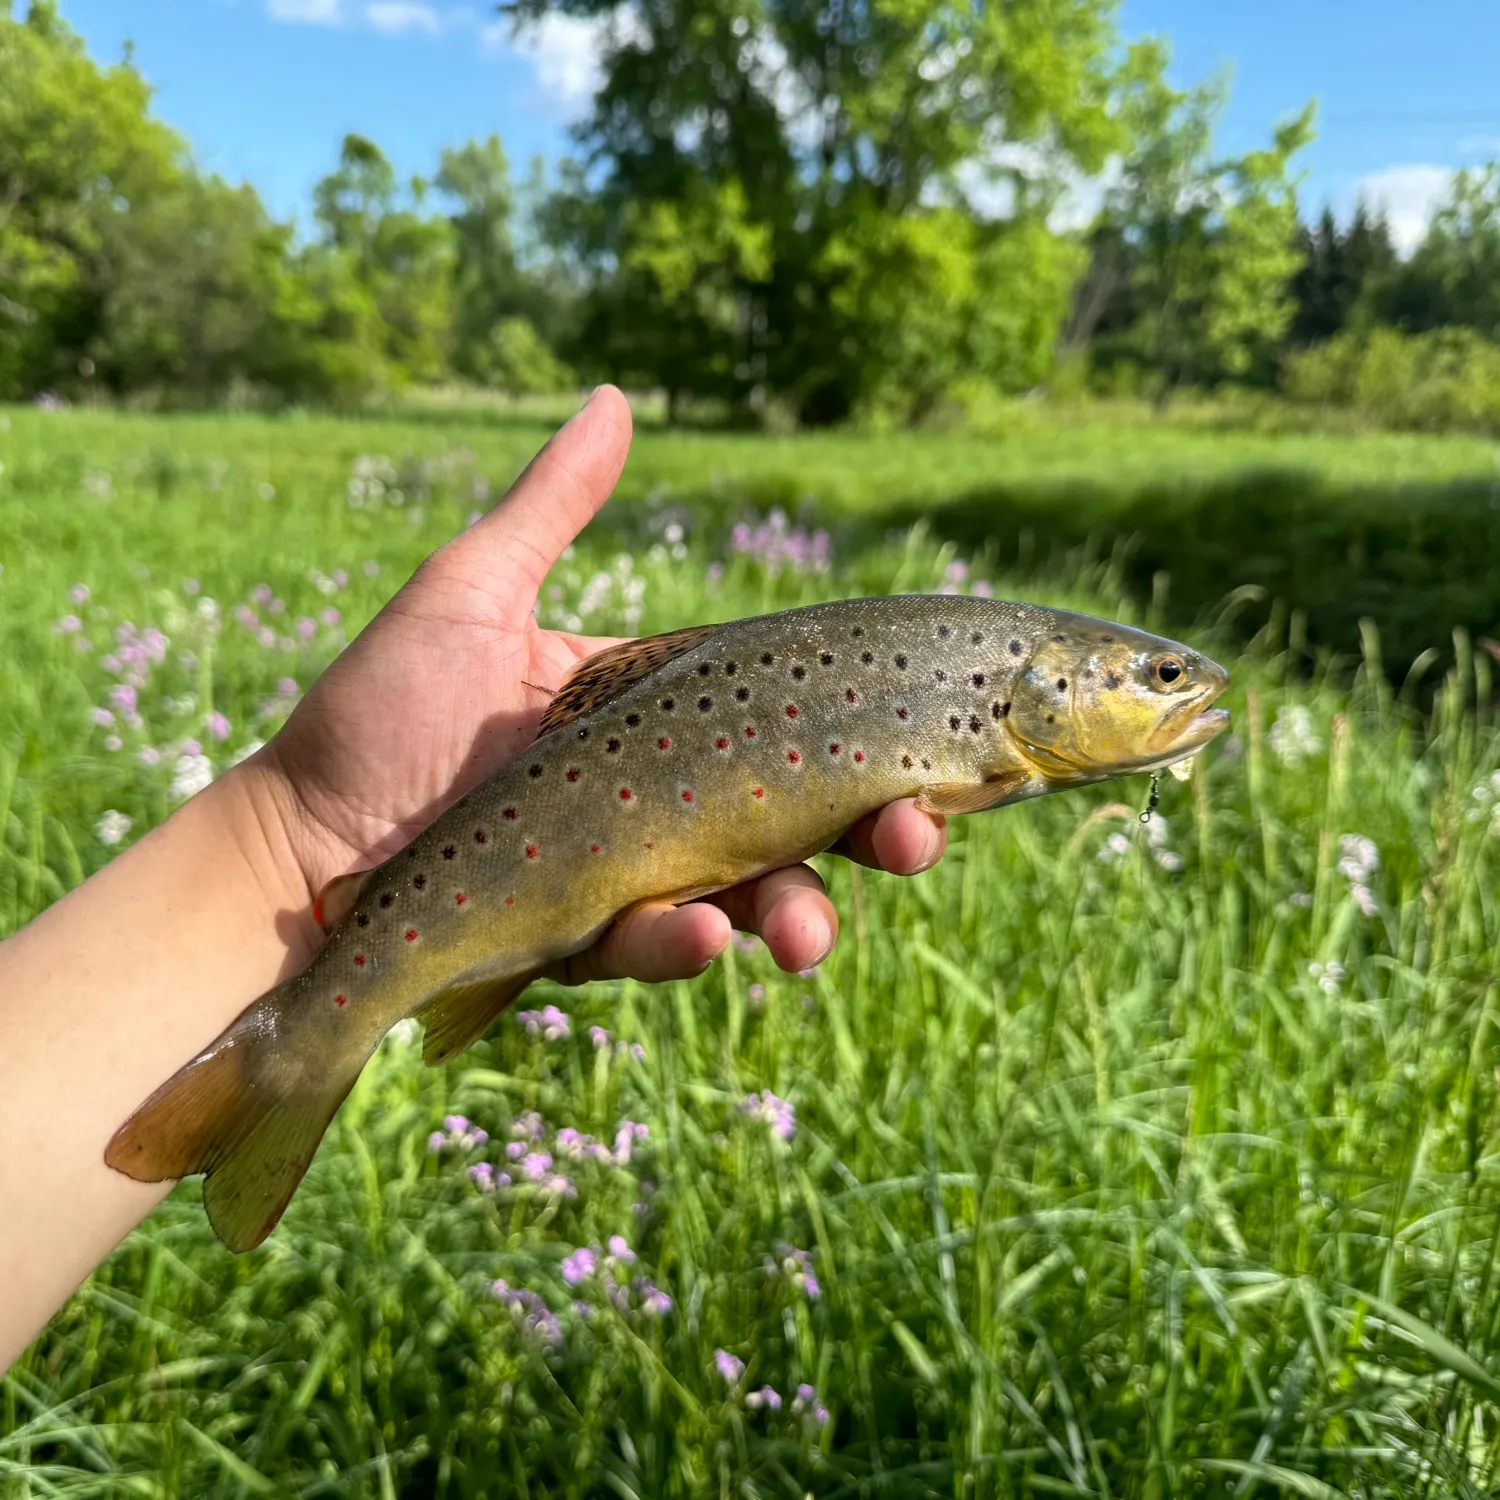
{"x":1168,"y":670}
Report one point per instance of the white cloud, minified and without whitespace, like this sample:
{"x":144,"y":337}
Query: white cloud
{"x":566,"y":54}
{"x":397,"y":16}
{"x":1406,"y":193}
{"x":306,"y":12}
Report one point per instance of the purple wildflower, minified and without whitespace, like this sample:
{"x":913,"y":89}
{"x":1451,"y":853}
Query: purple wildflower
{"x":149,"y":755}
{"x":529,"y":1125}
{"x":103,"y":718}
{"x":436,"y":1141}
{"x":776,"y":1112}
{"x":620,"y":1250}
{"x":123,"y":697}
{"x":68,"y":625}
{"x":728,"y":1366}
{"x":806,"y":1400}
{"x":331,"y":617}
{"x":655,"y":1303}
{"x":340,"y":578}
{"x":112,"y":742}
{"x":218,"y":727}
{"x":287,"y":687}
{"x":515,"y":1150}
{"x":78,"y":594}
{"x":766,"y":1397}
{"x":536,"y":1164}
{"x":757,"y":994}
{"x":306,"y":627}
{"x":598,"y":1036}
{"x":578,"y":1265}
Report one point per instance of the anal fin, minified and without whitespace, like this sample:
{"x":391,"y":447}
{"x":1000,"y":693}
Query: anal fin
{"x":955,"y":797}
{"x":456,"y":1017}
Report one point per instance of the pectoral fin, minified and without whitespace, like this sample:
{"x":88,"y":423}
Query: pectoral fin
{"x":954,"y":797}
{"x":456,"y":1017}
{"x":337,"y":899}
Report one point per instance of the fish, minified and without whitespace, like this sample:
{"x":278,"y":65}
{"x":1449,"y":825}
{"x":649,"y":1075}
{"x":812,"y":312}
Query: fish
{"x":663,"y":769}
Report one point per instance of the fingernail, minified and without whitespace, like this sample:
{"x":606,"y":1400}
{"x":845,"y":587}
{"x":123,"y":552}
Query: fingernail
{"x":932,"y":847}
{"x":822,"y":933}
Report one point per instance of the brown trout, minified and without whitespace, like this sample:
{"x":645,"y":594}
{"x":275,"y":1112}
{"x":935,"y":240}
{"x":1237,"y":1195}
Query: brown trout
{"x":664,"y":769}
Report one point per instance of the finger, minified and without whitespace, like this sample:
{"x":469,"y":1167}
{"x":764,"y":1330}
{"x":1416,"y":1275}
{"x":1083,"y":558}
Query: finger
{"x":900,"y":838}
{"x":790,"y":911}
{"x":559,"y":493}
{"x":651,"y":942}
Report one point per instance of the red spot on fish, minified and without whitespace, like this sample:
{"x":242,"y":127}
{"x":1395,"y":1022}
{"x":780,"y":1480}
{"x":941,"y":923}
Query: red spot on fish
{"x":650,"y":845}
{"x":722,"y":743}
{"x":749,"y":731}
{"x":509,"y":814}
{"x":791,"y":710}
{"x":835,"y":748}
{"x":574,"y":773}
{"x":480,"y":835}
{"x":531,"y":851}
{"x":903,"y":714}
{"x":759,"y":791}
{"x":411,"y":934}
{"x":341,"y":1001}
{"x":664,"y":743}
{"x":851,"y":696}
{"x":359,"y":960}
{"x":460,"y":898}
{"x":593,"y":848}
{"x":510,"y":900}
{"x":794,"y":756}
{"x":687,"y":796}
{"x":626,"y":794}
{"x":859,"y":756}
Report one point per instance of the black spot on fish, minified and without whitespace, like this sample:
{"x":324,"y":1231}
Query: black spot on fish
{"x":953,"y":722}
{"x":386,"y":899}
{"x":1062,"y":684}
{"x":978,"y":679}
{"x":612,"y":746}
{"x":583,"y":733}
{"x":906,"y":762}
{"x":535,"y":770}
{"x":977,"y":637}
{"x":826,"y":658}
{"x":1061,"y":640}
{"x":999,"y":710}
{"x":766,"y":658}
{"x":973,"y":723}
{"x":1111,"y":680}
{"x":704,"y":668}
{"x":944,"y":631}
{"x":509,"y":815}
{"x":867,"y":657}
{"x":730,"y":668}
{"x":363,"y":919}
{"x":858,"y":632}
{"x":1052,"y":718}
{"x":900,"y":663}
{"x":940,"y":675}
{"x":704,"y":704}
{"x":449,"y":851}
{"x":1015,"y":648}
{"x":743,"y":694}
{"x":668,"y":704}
{"x":632,"y":719}
{"x":799,"y":673}
{"x":420,"y":881}
{"x":926,"y":764}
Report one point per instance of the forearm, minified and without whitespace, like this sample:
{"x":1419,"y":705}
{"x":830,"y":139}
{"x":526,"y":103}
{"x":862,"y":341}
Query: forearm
{"x":107,"y":993}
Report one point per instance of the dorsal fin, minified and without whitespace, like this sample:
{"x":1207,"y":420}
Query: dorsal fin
{"x":600,"y":677}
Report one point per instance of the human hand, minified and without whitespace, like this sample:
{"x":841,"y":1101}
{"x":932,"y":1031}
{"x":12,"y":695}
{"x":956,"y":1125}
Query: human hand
{"x":448,"y":683}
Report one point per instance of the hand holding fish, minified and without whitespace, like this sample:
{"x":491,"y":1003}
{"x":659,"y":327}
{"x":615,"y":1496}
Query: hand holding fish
{"x":449,"y":683}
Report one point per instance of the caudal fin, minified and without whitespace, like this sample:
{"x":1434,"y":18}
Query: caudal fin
{"x":244,"y":1112}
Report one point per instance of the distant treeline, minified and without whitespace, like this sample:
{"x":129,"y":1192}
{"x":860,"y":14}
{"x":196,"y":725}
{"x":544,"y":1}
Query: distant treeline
{"x":780,"y":212}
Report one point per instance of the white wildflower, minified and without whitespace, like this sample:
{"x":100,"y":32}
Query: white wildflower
{"x":112,"y":827}
{"x":191,"y":774}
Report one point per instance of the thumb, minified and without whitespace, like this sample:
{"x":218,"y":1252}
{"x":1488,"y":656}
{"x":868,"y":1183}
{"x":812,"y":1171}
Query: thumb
{"x":558,"y":494}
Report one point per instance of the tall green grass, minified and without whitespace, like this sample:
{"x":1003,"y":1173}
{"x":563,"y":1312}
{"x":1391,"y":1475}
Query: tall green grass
{"x":1127,"y":1160}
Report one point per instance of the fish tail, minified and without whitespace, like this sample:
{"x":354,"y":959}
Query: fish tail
{"x":248,"y":1113}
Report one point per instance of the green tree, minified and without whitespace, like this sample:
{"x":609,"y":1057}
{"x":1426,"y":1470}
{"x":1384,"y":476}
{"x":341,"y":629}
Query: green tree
{"x":400,"y":256}
{"x":1454,"y":276}
{"x":1213,"y":241}
{"x":819,"y":166}
{"x":1344,"y":274}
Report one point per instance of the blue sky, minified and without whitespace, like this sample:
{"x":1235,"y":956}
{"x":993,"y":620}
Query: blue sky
{"x":264,"y":89}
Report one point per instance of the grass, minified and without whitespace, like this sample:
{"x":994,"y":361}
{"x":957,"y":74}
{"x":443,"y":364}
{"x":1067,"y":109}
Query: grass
{"x":1131,"y":1163}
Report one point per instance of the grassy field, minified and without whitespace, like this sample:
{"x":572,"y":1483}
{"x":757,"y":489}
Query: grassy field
{"x":1103,"y":1160}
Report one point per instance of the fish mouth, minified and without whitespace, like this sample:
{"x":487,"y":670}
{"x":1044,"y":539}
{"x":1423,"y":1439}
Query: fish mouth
{"x":1189,"y":739}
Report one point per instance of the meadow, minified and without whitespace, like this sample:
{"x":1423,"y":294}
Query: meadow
{"x":1106,"y":1159}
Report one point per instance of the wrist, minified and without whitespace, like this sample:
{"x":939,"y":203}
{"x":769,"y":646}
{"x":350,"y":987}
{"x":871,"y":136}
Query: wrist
{"x":273,"y":834}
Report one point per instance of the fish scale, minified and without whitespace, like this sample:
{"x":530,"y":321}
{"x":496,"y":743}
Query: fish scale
{"x":665,"y":769}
